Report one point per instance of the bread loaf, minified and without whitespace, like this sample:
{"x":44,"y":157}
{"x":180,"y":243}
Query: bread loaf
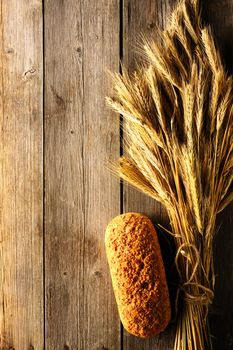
{"x":138,"y":274}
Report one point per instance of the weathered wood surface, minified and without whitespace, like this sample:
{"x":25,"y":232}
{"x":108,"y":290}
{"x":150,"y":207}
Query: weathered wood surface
{"x":55,"y":290}
{"x":81,"y":196}
{"x":142,"y":18}
{"x":219,"y":14}
{"x":21,"y":186}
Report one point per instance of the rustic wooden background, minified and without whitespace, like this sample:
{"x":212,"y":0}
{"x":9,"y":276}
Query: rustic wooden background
{"x":56,"y":196}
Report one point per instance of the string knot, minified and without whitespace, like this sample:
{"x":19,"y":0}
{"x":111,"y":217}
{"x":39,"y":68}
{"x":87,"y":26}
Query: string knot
{"x":194,"y":292}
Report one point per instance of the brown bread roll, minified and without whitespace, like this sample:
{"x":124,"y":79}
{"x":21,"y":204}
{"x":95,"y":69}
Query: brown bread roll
{"x":138,"y":274}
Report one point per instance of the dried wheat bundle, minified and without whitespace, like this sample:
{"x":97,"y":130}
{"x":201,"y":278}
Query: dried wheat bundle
{"x":178,"y":121}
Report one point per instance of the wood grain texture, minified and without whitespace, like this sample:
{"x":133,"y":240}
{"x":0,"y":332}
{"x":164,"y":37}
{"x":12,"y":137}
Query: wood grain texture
{"x":142,"y":18}
{"x":81,"y":196}
{"x":220,"y":16}
{"x":82,"y":39}
{"x":21,"y":185}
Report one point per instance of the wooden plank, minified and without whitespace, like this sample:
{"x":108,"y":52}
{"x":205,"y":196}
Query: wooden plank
{"x":219,"y":15}
{"x":143,"y":18}
{"x":21,"y":185}
{"x":81,"y":196}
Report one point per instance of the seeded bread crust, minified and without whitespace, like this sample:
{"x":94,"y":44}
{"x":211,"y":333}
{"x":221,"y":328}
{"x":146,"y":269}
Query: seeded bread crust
{"x":138,"y":275}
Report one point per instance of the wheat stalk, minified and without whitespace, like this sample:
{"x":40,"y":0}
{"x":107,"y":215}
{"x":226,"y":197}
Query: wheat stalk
{"x":178,"y":126}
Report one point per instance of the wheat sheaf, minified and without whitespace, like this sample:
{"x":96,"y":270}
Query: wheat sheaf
{"x":178,"y":124}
